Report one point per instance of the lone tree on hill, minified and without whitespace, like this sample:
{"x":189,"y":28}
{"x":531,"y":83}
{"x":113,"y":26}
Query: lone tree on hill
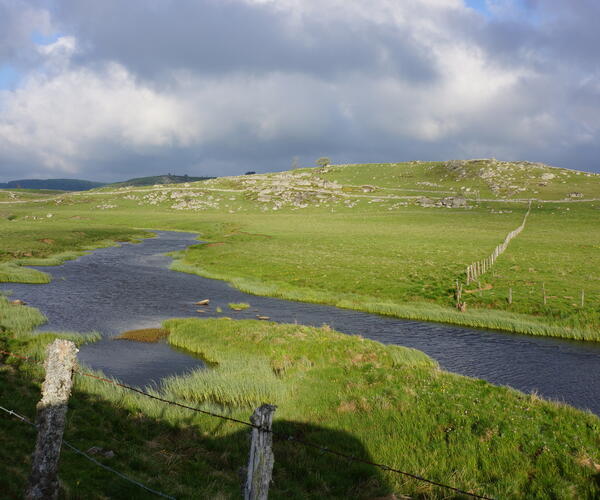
{"x":323,"y":161}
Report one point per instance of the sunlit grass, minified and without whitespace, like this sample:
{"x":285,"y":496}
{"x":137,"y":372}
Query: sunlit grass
{"x":343,"y":392}
{"x":238,"y":306}
{"x":13,"y":273}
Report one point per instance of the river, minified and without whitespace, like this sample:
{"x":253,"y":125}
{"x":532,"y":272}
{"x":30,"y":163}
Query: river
{"x":130,"y":286}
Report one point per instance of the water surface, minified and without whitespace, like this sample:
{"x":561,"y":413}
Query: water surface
{"x":121,"y":288}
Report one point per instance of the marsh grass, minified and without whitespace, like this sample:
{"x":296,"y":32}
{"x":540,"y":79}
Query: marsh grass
{"x":18,"y":319}
{"x":144,"y":335}
{"x":13,"y":273}
{"x":239,"y":306}
{"x":488,"y":439}
{"x":53,"y":260}
{"x":343,"y":392}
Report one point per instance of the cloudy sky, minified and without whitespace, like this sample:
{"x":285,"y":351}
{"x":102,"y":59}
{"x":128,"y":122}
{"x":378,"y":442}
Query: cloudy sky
{"x":112,"y":89}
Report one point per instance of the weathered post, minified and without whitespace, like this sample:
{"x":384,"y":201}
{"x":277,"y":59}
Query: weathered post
{"x":260,"y":464}
{"x":50,"y":421}
{"x":458,"y":294}
{"x":582,"y":297}
{"x":510,"y":295}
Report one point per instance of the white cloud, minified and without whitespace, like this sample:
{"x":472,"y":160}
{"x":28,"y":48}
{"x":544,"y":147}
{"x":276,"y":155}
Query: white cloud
{"x":63,"y":120}
{"x":427,"y":81}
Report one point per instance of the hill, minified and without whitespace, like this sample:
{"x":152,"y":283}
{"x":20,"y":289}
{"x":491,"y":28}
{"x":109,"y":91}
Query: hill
{"x":157,"y":179}
{"x":53,"y":184}
{"x":393,"y":239}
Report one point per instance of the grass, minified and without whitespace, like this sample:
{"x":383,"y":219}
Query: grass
{"x":13,"y":273}
{"x":144,"y":335}
{"x":375,"y":251}
{"x":343,"y":392}
{"x":387,"y":398}
{"x":384,"y":403}
{"x":239,"y":306}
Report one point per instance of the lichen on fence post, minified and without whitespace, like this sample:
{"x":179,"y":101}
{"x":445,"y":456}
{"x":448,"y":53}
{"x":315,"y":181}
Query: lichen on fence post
{"x":50,"y":421}
{"x":260,"y":463}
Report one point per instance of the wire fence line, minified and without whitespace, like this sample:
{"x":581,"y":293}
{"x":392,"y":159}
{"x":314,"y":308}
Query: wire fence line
{"x":476,"y":269}
{"x":90,"y":458}
{"x":279,"y":435}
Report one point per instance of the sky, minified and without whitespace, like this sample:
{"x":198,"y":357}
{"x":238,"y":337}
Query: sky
{"x":109,"y":90}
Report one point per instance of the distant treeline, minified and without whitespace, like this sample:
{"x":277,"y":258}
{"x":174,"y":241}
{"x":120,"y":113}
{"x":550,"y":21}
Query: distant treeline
{"x":57,"y":184}
{"x":83,"y":185}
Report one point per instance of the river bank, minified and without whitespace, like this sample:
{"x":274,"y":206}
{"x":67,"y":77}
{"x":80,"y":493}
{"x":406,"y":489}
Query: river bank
{"x":123,"y":288}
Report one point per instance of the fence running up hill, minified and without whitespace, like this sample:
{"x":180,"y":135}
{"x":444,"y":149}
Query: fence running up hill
{"x":475,"y":270}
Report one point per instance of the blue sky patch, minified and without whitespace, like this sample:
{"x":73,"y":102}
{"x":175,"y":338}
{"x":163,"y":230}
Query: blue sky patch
{"x":480,"y":5}
{"x":9,"y":77}
{"x":41,"y":39}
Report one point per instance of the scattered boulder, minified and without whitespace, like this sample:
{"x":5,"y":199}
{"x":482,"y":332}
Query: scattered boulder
{"x":203,"y":302}
{"x":453,"y":202}
{"x":424,"y":201}
{"x":264,"y":318}
{"x":18,"y":302}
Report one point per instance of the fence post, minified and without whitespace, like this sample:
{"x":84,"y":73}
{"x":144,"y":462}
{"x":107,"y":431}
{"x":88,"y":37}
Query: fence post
{"x":50,"y":421}
{"x":260,"y":463}
{"x":582,"y":297}
{"x":458,"y":294}
{"x":510,"y":295}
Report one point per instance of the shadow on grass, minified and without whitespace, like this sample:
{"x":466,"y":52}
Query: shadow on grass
{"x":199,"y":458}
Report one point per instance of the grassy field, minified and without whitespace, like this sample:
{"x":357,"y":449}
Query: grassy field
{"x":366,"y":237}
{"x":380,"y":403}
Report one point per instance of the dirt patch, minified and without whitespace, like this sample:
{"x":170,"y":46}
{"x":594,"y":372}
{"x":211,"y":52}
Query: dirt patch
{"x":144,"y":335}
{"x":48,"y":241}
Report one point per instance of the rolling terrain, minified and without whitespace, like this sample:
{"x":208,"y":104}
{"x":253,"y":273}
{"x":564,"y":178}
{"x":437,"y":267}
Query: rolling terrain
{"x":389,"y":238}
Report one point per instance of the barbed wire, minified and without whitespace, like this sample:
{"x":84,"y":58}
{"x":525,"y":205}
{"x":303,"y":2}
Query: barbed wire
{"x":90,"y":458}
{"x":279,"y":435}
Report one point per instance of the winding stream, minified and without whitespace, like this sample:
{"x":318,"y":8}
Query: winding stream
{"x":121,"y":288}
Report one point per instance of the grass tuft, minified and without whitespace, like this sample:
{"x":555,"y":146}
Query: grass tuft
{"x":240,"y":306}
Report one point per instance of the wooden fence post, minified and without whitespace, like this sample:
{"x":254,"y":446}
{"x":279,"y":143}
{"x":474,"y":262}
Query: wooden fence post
{"x":50,"y":421}
{"x":510,"y":295}
{"x":582,"y":297}
{"x":260,"y":464}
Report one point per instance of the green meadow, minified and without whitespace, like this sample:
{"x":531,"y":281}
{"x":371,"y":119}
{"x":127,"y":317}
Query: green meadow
{"x":367,"y":237}
{"x":380,"y":403}
{"x":379,"y":238}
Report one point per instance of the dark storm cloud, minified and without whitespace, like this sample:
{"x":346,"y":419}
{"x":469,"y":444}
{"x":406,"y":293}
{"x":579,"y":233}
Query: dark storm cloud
{"x":214,"y":87}
{"x":208,"y":36}
{"x":19,"y":19}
